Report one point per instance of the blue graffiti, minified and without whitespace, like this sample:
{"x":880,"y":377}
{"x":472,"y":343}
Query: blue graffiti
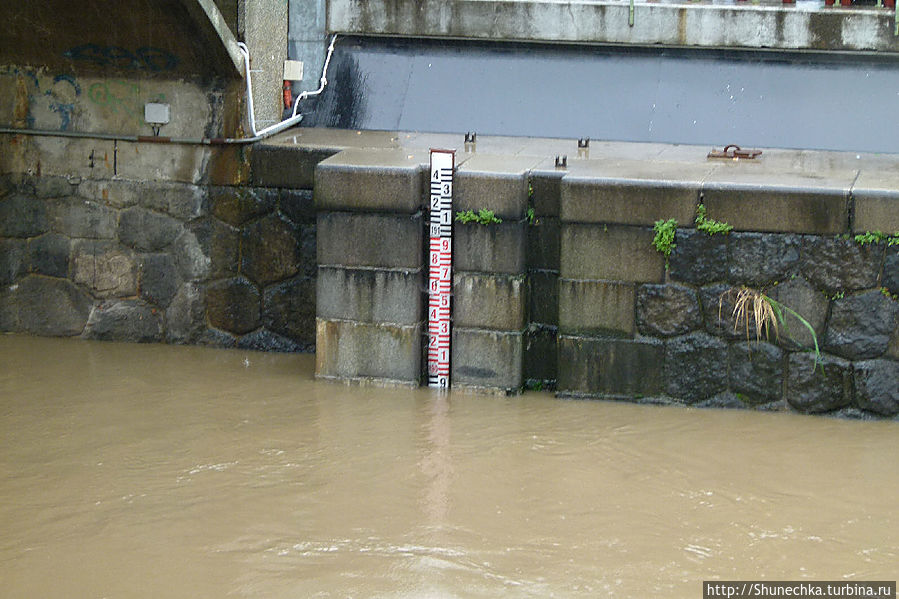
{"x":64,"y":109}
{"x":145,"y":58}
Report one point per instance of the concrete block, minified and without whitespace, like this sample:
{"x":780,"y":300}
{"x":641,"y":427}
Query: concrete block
{"x":381,"y":240}
{"x":489,"y":360}
{"x":499,"y":248}
{"x":543,"y":296}
{"x":370,"y":295}
{"x":596,"y":366}
{"x":609,"y":253}
{"x":352,"y":351}
{"x":369,"y":179}
{"x":491,"y":182}
{"x":291,"y":167}
{"x":541,"y":355}
{"x":596,"y":307}
{"x":545,"y":191}
{"x":769,"y":201}
{"x":876,"y":195}
{"x":876,"y":212}
{"x":543,"y":244}
{"x":631,"y":192}
{"x":54,"y":187}
{"x":489,"y":301}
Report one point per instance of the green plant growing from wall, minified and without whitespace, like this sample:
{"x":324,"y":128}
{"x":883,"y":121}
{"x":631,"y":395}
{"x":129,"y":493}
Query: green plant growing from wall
{"x":663,"y":241}
{"x":753,"y":306}
{"x":481,"y":217}
{"x":869,"y":237}
{"x":531,"y":216}
{"x":708,"y":225}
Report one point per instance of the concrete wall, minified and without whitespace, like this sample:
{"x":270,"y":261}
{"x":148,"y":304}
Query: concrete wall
{"x":805,"y":25}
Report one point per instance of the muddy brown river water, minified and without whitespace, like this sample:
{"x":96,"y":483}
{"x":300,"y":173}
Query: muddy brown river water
{"x":159,"y":471}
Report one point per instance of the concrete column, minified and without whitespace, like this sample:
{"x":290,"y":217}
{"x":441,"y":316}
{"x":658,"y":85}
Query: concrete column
{"x":490,"y":275}
{"x":262,"y":26}
{"x":306,"y":40}
{"x":371,"y":279}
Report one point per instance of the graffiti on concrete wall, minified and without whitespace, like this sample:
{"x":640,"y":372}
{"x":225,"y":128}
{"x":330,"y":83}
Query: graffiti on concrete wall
{"x":62,"y":95}
{"x":146,"y":58}
{"x":45,"y":102}
{"x":121,"y":97}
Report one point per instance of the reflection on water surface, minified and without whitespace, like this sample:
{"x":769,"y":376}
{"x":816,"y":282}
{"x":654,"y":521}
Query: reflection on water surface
{"x":159,"y":471}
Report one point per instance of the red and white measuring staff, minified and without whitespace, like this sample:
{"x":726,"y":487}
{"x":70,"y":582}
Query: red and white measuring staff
{"x":440,"y":261}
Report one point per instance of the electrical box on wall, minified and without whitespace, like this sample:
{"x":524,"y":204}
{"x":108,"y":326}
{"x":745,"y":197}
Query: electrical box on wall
{"x":157,"y":114}
{"x":293,"y":70}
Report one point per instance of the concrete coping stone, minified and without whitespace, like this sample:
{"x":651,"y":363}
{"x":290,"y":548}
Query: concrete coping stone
{"x":497,"y":165}
{"x":369,"y":179}
{"x":782,"y":171}
{"x":880,"y":182}
{"x":781,"y":176}
{"x":652,"y":173}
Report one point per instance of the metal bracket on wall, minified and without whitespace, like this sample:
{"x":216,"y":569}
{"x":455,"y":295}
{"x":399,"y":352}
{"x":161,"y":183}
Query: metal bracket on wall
{"x":735,"y":152}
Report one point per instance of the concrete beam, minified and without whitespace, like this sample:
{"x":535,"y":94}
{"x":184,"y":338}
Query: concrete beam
{"x":767,"y":25}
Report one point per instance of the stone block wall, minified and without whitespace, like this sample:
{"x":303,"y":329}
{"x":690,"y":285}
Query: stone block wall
{"x":630,"y":328}
{"x":567,"y":290}
{"x":147,"y":261}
